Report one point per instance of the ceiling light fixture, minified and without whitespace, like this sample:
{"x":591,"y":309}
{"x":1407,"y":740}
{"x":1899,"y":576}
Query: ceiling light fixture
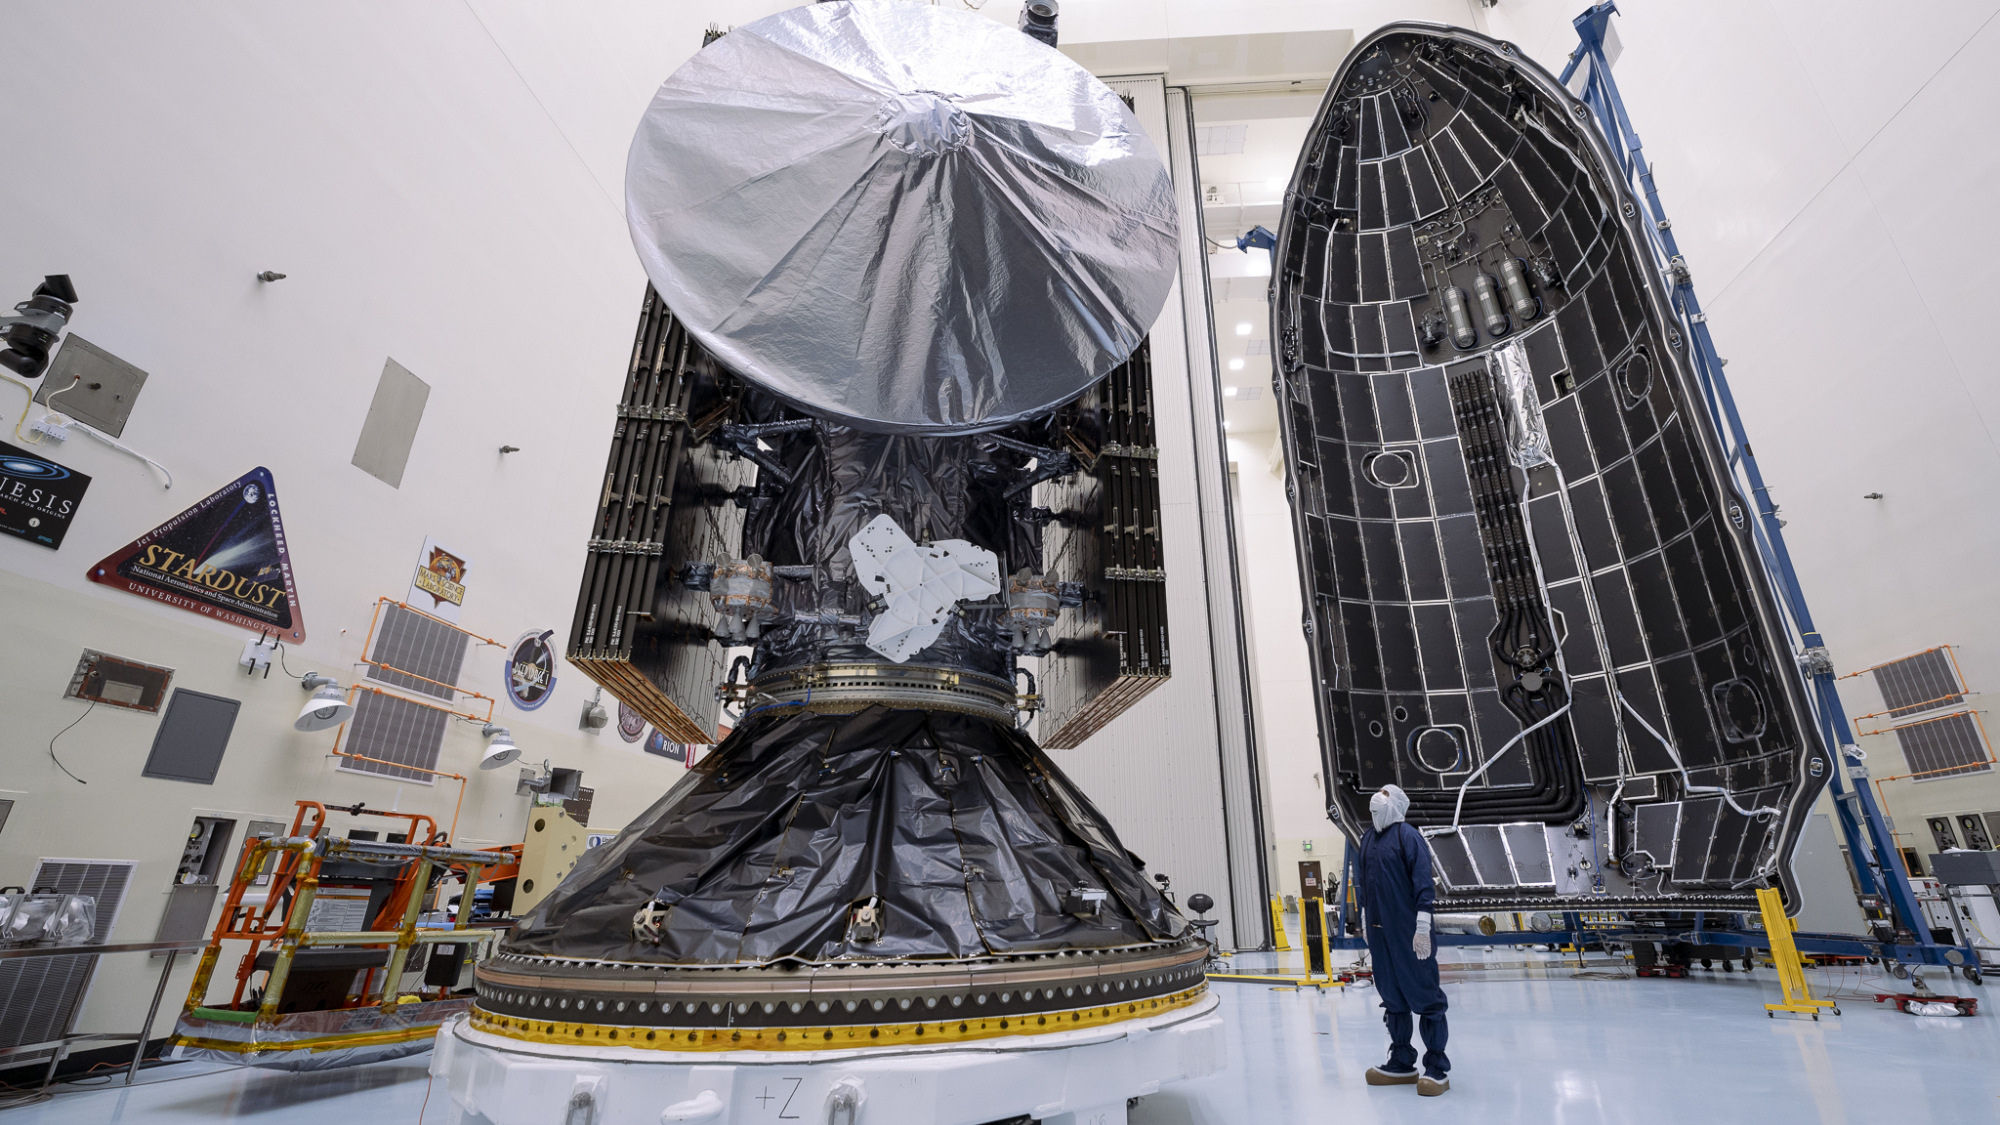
{"x":328,"y":706}
{"x":1229,"y":392}
{"x":1243,"y":329}
{"x":1236,"y":365}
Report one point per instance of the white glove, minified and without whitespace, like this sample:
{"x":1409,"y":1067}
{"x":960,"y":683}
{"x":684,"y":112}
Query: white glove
{"x":1421,"y":944}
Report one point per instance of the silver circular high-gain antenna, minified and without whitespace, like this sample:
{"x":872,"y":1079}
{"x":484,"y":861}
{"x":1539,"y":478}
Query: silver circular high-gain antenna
{"x":900,"y":217}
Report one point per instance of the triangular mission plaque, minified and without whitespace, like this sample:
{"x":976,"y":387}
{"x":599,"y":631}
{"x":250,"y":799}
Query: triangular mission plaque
{"x":225,"y":558}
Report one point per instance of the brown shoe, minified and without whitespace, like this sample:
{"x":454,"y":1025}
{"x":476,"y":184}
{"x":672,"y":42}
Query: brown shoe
{"x":1381,"y":1076}
{"x":1431,"y":1087}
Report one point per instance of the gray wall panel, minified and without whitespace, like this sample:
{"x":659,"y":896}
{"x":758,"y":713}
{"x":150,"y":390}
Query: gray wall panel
{"x":391,"y":428}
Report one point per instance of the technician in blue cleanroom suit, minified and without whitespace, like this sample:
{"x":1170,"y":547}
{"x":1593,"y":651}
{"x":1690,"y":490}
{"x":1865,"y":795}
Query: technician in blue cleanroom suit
{"x":1395,"y":892}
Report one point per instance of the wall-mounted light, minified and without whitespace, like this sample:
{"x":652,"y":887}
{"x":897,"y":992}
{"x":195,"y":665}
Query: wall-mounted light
{"x":328,"y":706}
{"x":500,"y":748}
{"x":595,"y":717}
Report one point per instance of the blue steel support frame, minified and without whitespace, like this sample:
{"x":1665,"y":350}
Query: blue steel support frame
{"x":1870,"y":845}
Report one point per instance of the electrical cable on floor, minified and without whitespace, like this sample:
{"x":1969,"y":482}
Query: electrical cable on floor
{"x":68,"y":1086}
{"x":64,"y":731}
{"x":148,"y":1063}
{"x":427,"y":1098}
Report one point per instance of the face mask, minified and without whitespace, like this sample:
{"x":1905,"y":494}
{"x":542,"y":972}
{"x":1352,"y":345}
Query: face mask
{"x":1383,"y":811}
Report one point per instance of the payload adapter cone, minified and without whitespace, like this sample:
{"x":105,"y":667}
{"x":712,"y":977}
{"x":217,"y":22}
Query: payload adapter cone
{"x":903,"y":264}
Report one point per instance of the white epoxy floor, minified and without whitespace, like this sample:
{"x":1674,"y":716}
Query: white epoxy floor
{"x":1528,"y":1044}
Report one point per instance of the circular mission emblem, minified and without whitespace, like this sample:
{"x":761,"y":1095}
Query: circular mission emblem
{"x":531,"y":670}
{"x":631,"y":724}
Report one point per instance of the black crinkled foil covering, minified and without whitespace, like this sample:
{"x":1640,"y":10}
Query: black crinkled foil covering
{"x":964,"y":828}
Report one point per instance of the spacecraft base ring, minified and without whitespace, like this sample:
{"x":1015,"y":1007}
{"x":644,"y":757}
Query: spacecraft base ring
{"x":959,"y":1028}
{"x":490,"y":1079}
{"x":835,"y":689}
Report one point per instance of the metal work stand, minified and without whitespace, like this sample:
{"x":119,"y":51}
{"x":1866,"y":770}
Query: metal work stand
{"x":59,"y":1047}
{"x":1870,"y":845}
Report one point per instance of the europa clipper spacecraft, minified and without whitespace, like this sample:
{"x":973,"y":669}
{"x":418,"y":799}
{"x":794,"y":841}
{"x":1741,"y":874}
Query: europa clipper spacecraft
{"x":890,"y":387}
{"x":888,"y":425}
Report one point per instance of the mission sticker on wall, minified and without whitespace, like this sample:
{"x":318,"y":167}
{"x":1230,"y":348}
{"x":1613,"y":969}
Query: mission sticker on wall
{"x":439,"y":586}
{"x":531,"y":670}
{"x":37,"y":496}
{"x":225,"y":558}
{"x":656,"y":743}
{"x":631,"y":724}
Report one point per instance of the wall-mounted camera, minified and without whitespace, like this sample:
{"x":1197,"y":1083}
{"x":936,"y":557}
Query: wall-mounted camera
{"x":31,"y":334}
{"x":1038,"y":20}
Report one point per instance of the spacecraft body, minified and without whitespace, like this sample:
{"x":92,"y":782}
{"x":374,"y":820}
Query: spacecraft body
{"x":1533,"y":597}
{"x":886,"y":405}
{"x":867,"y":811}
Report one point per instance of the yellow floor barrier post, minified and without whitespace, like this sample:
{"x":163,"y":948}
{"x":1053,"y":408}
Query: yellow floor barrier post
{"x":1278,"y":924}
{"x":1791,"y":974}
